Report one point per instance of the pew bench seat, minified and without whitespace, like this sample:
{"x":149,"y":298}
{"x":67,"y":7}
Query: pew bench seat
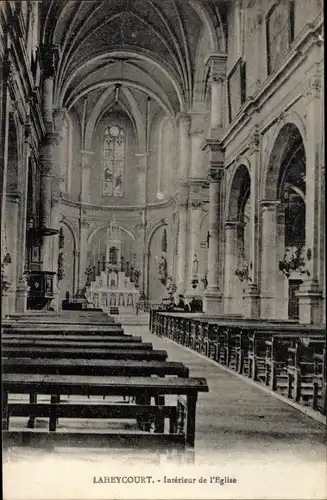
{"x":181,"y":416}
{"x":80,"y":352}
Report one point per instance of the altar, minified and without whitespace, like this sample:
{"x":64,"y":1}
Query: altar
{"x":113,"y":284}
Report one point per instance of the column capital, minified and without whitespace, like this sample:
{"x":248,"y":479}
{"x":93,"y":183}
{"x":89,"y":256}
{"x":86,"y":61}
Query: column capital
{"x":212,"y":146}
{"x":51,"y":139}
{"x":49,"y":59}
{"x":216,"y":62}
{"x":231,"y":225}
{"x":183,"y":118}
{"x":196,"y":204}
{"x":86,"y":152}
{"x":269,"y":205}
{"x":314,"y":87}
{"x":215,"y":173}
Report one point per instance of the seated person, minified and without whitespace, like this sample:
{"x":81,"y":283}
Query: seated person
{"x":181,"y":301}
{"x":196,"y":304}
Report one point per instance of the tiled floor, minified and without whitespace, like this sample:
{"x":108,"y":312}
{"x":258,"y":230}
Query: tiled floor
{"x":237,"y":423}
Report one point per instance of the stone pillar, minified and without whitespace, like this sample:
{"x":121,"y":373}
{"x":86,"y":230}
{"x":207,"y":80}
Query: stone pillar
{"x":252,"y":309}
{"x":48,"y":62}
{"x":76,"y":271}
{"x":195,"y":215}
{"x":11,"y":235}
{"x":181,"y":248}
{"x":184,"y":123}
{"x":212,"y":297}
{"x":217,"y":65}
{"x":145,"y":275}
{"x":5,"y":85}
{"x":269,"y":264}
{"x":310,"y":293}
{"x":83,"y":234}
{"x":86,"y":168}
{"x":47,"y":171}
{"x":22,"y":287}
{"x":197,"y":155}
{"x":217,"y":101}
{"x":231,"y":255}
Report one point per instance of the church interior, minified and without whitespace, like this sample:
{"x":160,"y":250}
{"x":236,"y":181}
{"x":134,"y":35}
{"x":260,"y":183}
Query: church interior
{"x":161,"y":154}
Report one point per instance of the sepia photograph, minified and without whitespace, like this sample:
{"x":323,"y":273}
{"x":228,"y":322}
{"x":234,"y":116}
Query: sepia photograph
{"x":163,"y":286}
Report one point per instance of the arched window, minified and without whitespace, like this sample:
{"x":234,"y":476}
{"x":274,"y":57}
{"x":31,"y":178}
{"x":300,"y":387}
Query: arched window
{"x":65,"y":149}
{"x":113,"y":161}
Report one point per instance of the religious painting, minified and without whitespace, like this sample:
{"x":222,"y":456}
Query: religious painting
{"x":236,"y":84}
{"x":113,"y":161}
{"x":280,"y":33}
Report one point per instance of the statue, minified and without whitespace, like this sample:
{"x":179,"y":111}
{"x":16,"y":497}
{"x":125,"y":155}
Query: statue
{"x":162,"y":271}
{"x":195,"y":266}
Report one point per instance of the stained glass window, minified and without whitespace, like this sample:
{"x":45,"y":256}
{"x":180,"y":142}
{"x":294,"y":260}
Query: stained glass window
{"x":113,"y":161}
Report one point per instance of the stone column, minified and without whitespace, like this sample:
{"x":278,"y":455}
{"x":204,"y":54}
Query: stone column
{"x":184,"y":123}
{"x":5,"y":85}
{"x":22,"y":287}
{"x":269,"y":264}
{"x":11,"y":216}
{"x":83,"y":234}
{"x":197,"y":162}
{"x":231,"y":255}
{"x":217,"y":65}
{"x":181,"y":248}
{"x":212,"y":297}
{"x":217,"y":102}
{"x":48,"y":63}
{"x":310,"y":293}
{"x":47,"y":171}
{"x":252,"y":309}
{"x":195,"y":215}
{"x":86,"y":169}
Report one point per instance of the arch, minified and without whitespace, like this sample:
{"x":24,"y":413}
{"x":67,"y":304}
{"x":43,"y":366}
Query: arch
{"x":104,"y":226}
{"x":71,"y":228}
{"x":162,"y":222}
{"x":101,"y":107}
{"x":141,"y":55}
{"x":291,"y":125}
{"x":239,"y":193}
{"x":104,"y":83}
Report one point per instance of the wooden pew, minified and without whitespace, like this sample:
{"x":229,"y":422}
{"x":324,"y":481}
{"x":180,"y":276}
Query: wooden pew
{"x":68,"y":344}
{"x":301,"y":367}
{"x":80,"y":352}
{"x":319,"y":397}
{"x":66,"y":329}
{"x":95,"y":367}
{"x":72,"y":338}
{"x":181,"y":417}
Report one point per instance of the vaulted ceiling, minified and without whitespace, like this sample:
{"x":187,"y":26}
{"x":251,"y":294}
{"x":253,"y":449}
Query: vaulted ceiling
{"x":129,"y":50}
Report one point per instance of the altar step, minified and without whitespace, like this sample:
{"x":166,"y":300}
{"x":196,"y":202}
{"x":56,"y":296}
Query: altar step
{"x":114,"y":310}
{"x":133,"y":319}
